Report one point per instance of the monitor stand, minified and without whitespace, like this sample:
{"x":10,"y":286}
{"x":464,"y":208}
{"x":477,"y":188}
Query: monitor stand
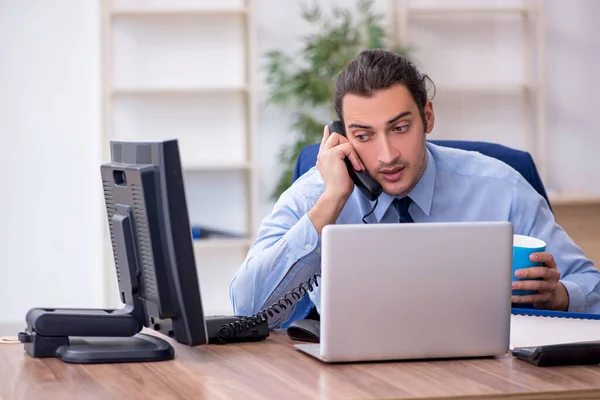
{"x":76,"y":341}
{"x":138,"y":348}
{"x":98,"y":335}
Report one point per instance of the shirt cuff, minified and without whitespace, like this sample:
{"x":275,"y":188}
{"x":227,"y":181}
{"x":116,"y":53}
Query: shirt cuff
{"x":302,"y":238}
{"x":576,"y":296}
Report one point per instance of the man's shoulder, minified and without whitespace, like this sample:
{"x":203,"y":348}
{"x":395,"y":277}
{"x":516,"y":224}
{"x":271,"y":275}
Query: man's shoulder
{"x":472,"y":164}
{"x":309,"y":185}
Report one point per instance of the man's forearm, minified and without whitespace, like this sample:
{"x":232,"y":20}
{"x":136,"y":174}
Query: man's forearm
{"x":326,"y":210}
{"x":269,"y":272}
{"x":285,"y":254}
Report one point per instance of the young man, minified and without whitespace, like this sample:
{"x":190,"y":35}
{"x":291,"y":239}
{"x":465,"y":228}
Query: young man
{"x":382,"y":101}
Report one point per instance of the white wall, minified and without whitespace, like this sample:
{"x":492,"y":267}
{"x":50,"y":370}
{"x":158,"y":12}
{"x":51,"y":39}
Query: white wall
{"x":573,"y":59}
{"x":51,"y":232}
{"x":49,"y":125}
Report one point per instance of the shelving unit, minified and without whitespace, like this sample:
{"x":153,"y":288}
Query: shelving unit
{"x":140,"y":91}
{"x":222,"y":243}
{"x":216,"y":167}
{"x":526,"y":87}
{"x":184,"y":69}
{"x":164,"y":12}
{"x":574,"y":199}
{"x":478,"y":26}
{"x":510,"y":89}
{"x":469,"y":10}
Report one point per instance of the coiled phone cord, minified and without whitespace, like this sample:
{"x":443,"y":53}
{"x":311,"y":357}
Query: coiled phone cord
{"x":364,"y":219}
{"x":290,"y":298}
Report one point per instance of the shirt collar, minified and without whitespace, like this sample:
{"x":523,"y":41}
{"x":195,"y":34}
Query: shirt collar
{"x":421,"y":194}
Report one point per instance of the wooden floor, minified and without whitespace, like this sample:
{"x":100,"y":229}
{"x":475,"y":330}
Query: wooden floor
{"x":582,"y":223}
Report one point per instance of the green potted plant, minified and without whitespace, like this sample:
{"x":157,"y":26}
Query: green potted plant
{"x":305,"y":80}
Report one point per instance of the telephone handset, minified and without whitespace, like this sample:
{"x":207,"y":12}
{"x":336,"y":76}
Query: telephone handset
{"x":367,"y":185}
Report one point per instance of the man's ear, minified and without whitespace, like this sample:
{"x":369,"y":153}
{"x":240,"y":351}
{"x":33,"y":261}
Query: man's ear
{"x":429,"y":116}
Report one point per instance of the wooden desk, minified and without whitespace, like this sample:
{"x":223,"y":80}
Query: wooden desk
{"x":275,"y":369}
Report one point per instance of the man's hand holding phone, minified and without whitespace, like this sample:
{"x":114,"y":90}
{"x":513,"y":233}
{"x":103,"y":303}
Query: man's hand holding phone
{"x":338,"y":184}
{"x":330,"y":163}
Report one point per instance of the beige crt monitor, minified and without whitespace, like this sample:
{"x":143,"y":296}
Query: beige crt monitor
{"x":414,"y":291}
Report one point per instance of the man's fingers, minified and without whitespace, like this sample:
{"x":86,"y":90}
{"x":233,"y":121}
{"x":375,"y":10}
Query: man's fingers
{"x":326,"y":135}
{"x":533,"y":298}
{"x":335,"y":139}
{"x":535,"y":285}
{"x":332,"y":141}
{"x":342,"y":145}
{"x":538,"y":272}
{"x":543,"y":257}
{"x":356,"y":163}
{"x":347,"y":150}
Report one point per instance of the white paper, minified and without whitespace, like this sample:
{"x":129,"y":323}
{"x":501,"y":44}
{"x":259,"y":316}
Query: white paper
{"x":539,"y":331}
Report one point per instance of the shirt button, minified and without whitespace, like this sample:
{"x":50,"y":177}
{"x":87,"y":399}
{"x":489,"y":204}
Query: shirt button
{"x":318,"y":250}
{"x":308,"y":247}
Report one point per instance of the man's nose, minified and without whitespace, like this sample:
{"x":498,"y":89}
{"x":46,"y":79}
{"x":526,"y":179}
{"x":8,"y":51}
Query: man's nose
{"x":386,"y":152}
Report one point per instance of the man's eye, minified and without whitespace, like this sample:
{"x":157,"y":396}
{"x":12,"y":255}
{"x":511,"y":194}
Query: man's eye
{"x":402,"y":128}
{"x":362,"y":138}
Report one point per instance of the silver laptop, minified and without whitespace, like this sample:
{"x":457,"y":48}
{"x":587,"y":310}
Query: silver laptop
{"x":414,"y":291}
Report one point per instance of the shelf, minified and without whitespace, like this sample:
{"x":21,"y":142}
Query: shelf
{"x":234,"y":243}
{"x":220,"y":243}
{"x":485,"y":88}
{"x":574,"y":199}
{"x":181,"y":69}
{"x":216,"y":167}
{"x":179,"y":91}
{"x":458,"y":11}
{"x":177,"y":13}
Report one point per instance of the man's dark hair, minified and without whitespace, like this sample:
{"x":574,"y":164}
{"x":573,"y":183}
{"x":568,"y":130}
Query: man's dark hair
{"x":378,"y":69}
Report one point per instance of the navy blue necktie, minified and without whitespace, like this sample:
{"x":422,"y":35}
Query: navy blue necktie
{"x":402,"y":208}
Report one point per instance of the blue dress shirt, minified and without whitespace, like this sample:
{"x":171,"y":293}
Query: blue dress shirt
{"x":456,"y":186}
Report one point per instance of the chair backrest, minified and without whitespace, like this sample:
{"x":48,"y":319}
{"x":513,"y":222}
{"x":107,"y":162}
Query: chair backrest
{"x":518,"y":159}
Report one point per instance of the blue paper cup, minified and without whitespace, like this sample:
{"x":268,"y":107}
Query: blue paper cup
{"x":523,"y":247}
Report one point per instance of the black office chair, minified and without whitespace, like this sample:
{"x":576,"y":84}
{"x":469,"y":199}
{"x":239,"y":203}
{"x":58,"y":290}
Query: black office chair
{"x":518,"y":159}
